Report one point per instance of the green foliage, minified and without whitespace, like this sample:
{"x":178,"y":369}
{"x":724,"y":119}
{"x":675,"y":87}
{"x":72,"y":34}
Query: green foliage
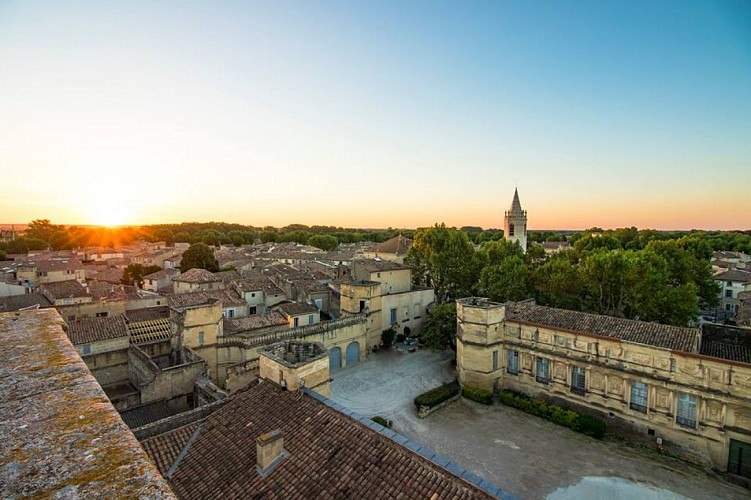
{"x":2,"y":255}
{"x":298,"y":236}
{"x":200,"y":256}
{"x":439,"y":329}
{"x":444,"y":258}
{"x":25,"y":245}
{"x":476,"y":394}
{"x":323,"y":241}
{"x":387,"y":337}
{"x":268,"y":236}
{"x":436,"y":396}
{"x":380,"y":420}
{"x":134,"y":273}
{"x":586,"y":424}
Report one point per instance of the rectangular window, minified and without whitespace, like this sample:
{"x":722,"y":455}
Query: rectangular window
{"x":87,"y":348}
{"x":231,"y":313}
{"x":405,"y":310}
{"x":578,"y":379}
{"x":393,"y":315}
{"x":101,"y":315}
{"x":362,"y":305}
{"x":639,"y":392}
{"x":495,"y":360}
{"x":310,"y":319}
{"x":729,"y":294}
{"x":512,"y":362}
{"x":729,"y":283}
{"x":685,"y":415}
{"x":252,"y":310}
{"x":201,"y":338}
{"x":296,"y":322}
{"x":417,"y":311}
{"x":543,"y":370}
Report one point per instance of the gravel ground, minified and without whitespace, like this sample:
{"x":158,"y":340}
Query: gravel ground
{"x":525,"y":455}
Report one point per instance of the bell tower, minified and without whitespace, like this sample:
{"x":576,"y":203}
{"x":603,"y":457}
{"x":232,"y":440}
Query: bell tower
{"x":515,"y":223}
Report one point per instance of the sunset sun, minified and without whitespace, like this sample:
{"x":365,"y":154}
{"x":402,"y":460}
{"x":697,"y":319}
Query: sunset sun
{"x":109,"y":214}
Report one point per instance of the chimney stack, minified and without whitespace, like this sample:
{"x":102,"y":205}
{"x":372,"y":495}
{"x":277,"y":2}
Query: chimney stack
{"x":269,"y":450}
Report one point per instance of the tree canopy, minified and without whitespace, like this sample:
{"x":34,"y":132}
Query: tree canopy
{"x":199,"y":255}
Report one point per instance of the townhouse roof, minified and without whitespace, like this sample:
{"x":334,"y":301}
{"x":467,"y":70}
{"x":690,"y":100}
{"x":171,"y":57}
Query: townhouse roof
{"x":165,"y":448}
{"x":322,"y":443}
{"x":170,"y":272}
{"x":734,"y":275}
{"x":88,"y":330}
{"x":253,"y":322}
{"x":262,"y":284}
{"x":228,"y":298}
{"x":64,"y":289}
{"x":398,"y":245}
{"x":24,"y":301}
{"x":196,"y":275}
{"x":111,"y":275}
{"x":639,"y":332}
{"x":102,"y":290}
{"x":373,"y":265}
{"x":147,"y":314}
{"x":228,"y":276}
{"x":297,"y":308}
{"x":51,"y":265}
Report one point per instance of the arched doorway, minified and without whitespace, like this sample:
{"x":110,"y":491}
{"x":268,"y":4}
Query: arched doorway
{"x":335,"y":358}
{"x":353,"y":353}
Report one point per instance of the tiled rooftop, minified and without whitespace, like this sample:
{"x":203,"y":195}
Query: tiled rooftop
{"x":331,"y":455}
{"x":64,"y":289}
{"x":88,"y":330}
{"x":398,"y":245}
{"x":16,"y":302}
{"x":253,"y":322}
{"x":197,"y":276}
{"x":228,"y":298}
{"x":163,"y":273}
{"x":639,"y":332}
{"x":372,"y":265}
{"x":734,"y":275}
{"x":60,"y":436}
{"x":297,"y":308}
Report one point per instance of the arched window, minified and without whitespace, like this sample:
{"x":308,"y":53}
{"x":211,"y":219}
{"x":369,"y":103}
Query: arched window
{"x":511,"y":229}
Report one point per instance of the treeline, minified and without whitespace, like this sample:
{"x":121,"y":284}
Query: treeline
{"x":41,"y":234}
{"x":627,"y":273}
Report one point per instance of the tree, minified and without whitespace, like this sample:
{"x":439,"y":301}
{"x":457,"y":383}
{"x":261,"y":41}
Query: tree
{"x":210,"y":237}
{"x":444,"y":259}
{"x":505,"y":281}
{"x":134,"y":273}
{"x":200,"y":256}
{"x":557,"y":283}
{"x":41,"y":229}
{"x":439,"y":330}
{"x":268,"y":236}
{"x":387,"y":337}
{"x":323,"y":241}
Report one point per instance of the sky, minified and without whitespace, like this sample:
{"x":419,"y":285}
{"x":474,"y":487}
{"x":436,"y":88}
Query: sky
{"x":377,"y":114}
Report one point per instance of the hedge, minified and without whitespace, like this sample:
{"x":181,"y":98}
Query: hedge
{"x":477,"y":394}
{"x":436,"y":396}
{"x":380,"y":420}
{"x":586,"y":424}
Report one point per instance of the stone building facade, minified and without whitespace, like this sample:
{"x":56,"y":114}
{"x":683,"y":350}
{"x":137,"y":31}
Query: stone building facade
{"x":646,"y":379}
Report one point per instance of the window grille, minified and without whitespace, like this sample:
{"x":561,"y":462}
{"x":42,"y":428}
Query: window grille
{"x":578,"y":379}
{"x":512,"y":365}
{"x":542,"y":370}
{"x":686,"y":413}
{"x":639,"y":392}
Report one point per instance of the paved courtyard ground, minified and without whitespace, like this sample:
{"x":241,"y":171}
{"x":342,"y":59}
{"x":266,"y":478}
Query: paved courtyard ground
{"x":525,"y":455}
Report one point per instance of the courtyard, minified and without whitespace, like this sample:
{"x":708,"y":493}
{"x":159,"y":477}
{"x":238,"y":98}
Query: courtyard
{"x":525,"y":455}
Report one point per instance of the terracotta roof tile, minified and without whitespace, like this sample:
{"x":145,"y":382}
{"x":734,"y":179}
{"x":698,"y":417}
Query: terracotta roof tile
{"x":88,"y":330}
{"x":639,"y":332}
{"x":64,"y":289}
{"x":734,"y":275}
{"x":228,"y":298}
{"x":330,"y":455}
{"x":198,"y":276}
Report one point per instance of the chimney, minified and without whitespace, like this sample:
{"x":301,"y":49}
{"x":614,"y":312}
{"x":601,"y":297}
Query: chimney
{"x":269,"y":450}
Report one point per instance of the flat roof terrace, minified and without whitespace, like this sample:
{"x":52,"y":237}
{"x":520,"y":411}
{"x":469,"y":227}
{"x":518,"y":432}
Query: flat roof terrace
{"x":59,"y":434}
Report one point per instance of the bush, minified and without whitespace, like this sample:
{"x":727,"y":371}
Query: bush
{"x":592,"y":426}
{"x":477,"y":394}
{"x":400,"y":338}
{"x":387,"y":337}
{"x":436,"y":396}
{"x":380,"y":420}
